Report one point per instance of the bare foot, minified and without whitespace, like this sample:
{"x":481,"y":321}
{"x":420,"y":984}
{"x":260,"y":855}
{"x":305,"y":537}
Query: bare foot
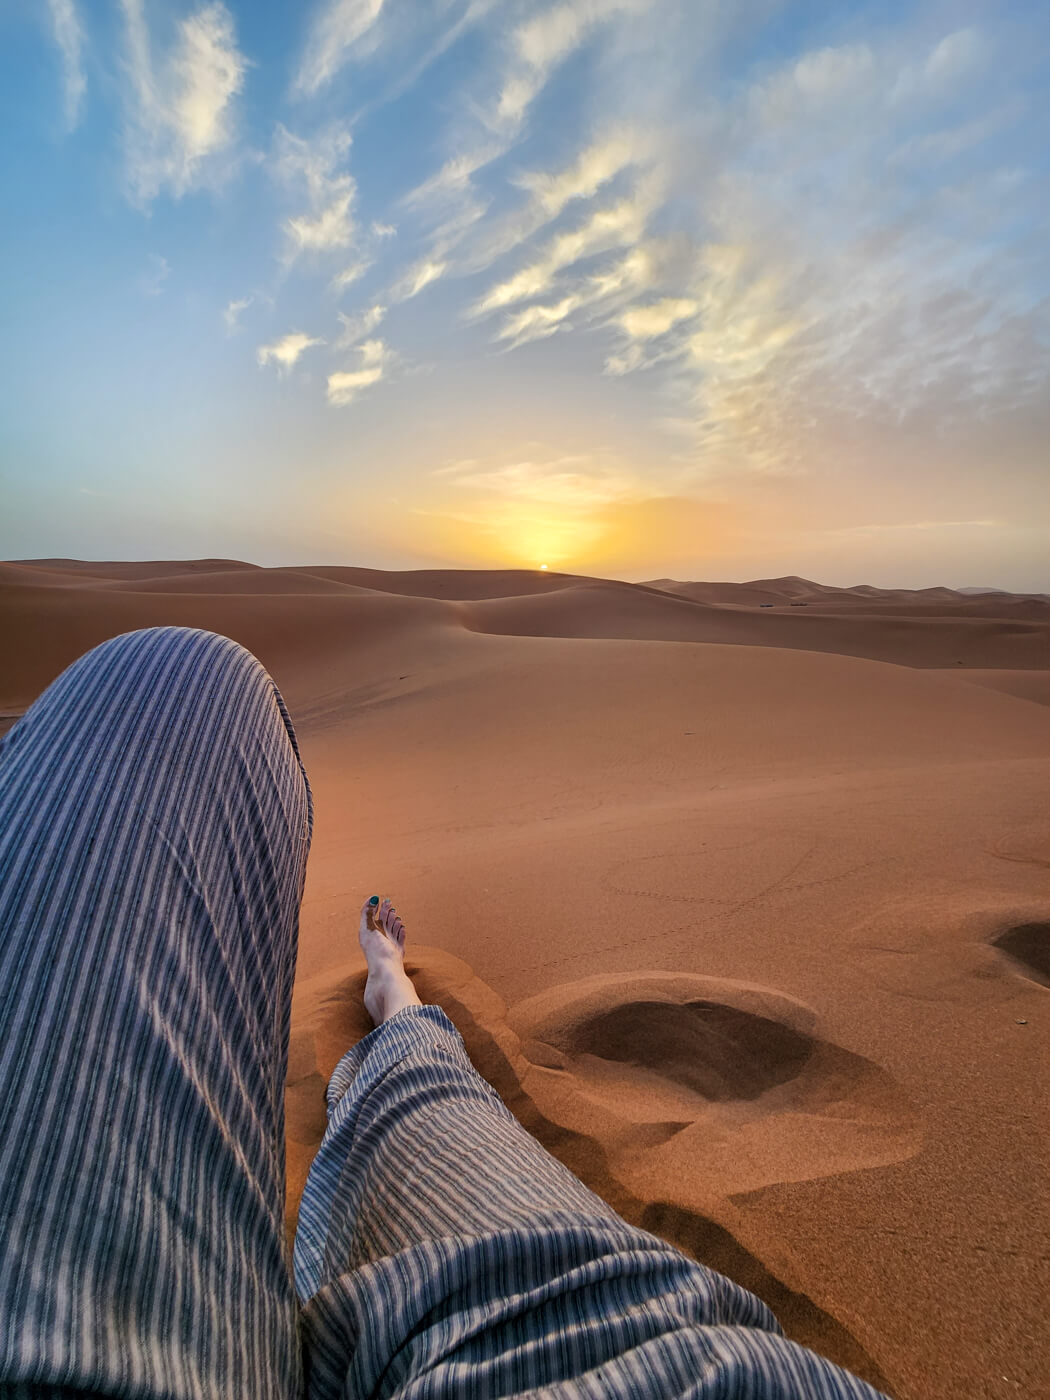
{"x":389,"y":988}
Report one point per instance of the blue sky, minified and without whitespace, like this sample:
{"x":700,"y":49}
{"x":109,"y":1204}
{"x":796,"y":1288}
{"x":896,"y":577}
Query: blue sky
{"x":631,"y":287}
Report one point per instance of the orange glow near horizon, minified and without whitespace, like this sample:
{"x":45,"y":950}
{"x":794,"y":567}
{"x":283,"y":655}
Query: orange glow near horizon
{"x":481,"y":533}
{"x":479,"y":529}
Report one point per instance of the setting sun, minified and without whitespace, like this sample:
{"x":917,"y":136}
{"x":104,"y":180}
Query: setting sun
{"x":543,"y":566}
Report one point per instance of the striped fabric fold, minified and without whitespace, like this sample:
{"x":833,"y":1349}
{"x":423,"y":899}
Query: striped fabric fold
{"x":154,"y":826}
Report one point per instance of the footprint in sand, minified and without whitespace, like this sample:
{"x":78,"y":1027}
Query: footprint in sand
{"x":712,"y":1086}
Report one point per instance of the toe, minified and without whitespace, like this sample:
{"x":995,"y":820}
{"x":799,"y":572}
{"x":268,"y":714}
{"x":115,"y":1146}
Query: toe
{"x":367,"y":909}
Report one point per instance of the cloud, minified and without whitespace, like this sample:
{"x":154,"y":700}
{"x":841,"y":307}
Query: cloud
{"x":286,"y":351}
{"x":644,"y":323}
{"x":541,"y":44}
{"x":331,"y":228}
{"x":954,"y":57}
{"x":605,"y":229}
{"x":232,"y":314}
{"x":152,"y":283}
{"x":416,"y":278}
{"x":537,"y":322}
{"x":180,"y":113}
{"x":69,"y":36}
{"x":374,"y":359}
{"x":350,"y":274}
{"x":550,"y":192}
{"x":454,"y":176}
{"x":591,"y":295}
{"x":908,"y":525}
{"x":355,"y":328}
{"x":536,"y":47}
{"x":313,"y":168}
{"x":656,"y":319}
{"x":335,"y":31}
{"x":822,"y":297}
{"x":593,"y":167}
{"x":856,"y":311}
{"x":575,"y":483}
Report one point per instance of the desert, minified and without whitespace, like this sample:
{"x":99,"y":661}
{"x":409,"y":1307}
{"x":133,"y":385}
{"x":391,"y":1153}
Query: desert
{"x":743,"y":910}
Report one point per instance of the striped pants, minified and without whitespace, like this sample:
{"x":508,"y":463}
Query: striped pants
{"x":155,"y":820}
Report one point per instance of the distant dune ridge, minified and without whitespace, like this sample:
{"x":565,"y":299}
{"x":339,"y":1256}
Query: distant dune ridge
{"x":741,"y":904}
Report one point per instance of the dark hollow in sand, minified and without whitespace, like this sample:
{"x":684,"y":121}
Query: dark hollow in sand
{"x":1028,"y":948}
{"x":716,"y":1051}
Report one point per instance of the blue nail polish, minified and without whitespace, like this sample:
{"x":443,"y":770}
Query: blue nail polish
{"x":374,"y":899}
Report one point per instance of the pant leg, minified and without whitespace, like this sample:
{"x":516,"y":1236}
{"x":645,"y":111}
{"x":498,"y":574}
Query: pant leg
{"x":442,"y":1252}
{"x":155,"y":820}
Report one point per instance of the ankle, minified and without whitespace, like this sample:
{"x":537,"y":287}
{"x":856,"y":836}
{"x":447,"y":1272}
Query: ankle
{"x":400,"y":993}
{"x":388,"y":991}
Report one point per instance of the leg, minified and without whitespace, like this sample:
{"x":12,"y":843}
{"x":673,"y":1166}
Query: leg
{"x":154,"y":827}
{"x":441,"y":1251}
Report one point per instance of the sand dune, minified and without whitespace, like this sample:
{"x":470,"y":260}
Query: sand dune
{"x":1026,"y":685}
{"x":743,"y":911}
{"x":531,"y":603}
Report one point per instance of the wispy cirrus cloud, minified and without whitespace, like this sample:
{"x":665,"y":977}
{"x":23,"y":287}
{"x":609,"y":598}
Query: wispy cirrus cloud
{"x":286,"y":351}
{"x":417,"y":277}
{"x":613,"y":226}
{"x":68,"y":34}
{"x":374,"y":360}
{"x":574,"y":482}
{"x":476,"y":245}
{"x":646,"y":334}
{"x":539,"y":321}
{"x":531,"y":53}
{"x":594,"y":296}
{"x":657,"y":318}
{"x":593,"y":167}
{"x":180,"y":120}
{"x":232,"y":313}
{"x":540,"y":44}
{"x":356,"y":328}
{"x":351,"y":273}
{"x":591,"y":296}
{"x":315,"y":171}
{"x":336,"y":29}
{"x":453,"y":177}
{"x":849,"y":326}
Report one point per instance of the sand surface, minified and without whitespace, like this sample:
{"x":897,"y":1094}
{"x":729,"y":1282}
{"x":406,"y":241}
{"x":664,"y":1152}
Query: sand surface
{"x":745,"y":910}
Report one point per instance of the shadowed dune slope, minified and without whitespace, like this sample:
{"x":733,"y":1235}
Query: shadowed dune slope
{"x":1026,"y":685}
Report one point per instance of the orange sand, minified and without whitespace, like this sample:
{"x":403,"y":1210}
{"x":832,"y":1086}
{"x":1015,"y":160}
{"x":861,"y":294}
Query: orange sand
{"x":717,"y":891}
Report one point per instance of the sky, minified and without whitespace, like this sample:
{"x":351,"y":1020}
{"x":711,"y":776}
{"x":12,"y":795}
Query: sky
{"x":703,"y":289}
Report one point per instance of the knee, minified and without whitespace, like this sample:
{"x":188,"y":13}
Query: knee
{"x":177,"y":655}
{"x":174,"y":641}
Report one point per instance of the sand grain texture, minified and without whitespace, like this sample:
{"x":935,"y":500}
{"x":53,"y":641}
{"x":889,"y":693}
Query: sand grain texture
{"x":744,"y":910}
